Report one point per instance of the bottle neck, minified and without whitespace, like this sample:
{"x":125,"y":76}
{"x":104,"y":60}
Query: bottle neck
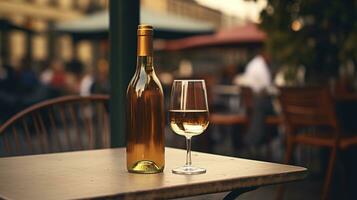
{"x":145,"y":52}
{"x":145,"y":62}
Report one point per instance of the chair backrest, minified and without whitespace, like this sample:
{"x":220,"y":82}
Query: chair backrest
{"x":308,"y":107}
{"x":66,"y":123}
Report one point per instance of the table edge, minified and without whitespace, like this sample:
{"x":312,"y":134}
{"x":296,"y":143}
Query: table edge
{"x":201,"y":188}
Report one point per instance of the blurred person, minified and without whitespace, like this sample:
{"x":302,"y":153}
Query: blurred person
{"x":54,"y":75}
{"x":46,"y":73}
{"x":26,"y":74}
{"x":101,"y":80}
{"x":257,"y":76}
{"x":74,"y":76}
{"x":166,"y":78}
{"x":77,"y":80}
{"x":31,"y":89}
{"x":185,"y":69}
{"x":8,"y":95}
{"x":86,"y":83}
{"x":20,"y":88}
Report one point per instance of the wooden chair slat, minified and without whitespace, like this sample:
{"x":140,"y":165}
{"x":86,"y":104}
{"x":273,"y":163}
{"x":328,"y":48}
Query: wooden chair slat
{"x":44,"y":133}
{"x":102,"y":121}
{"x":66,"y":130}
{"x":38,"y":132}
{"x":99,"y":124}
{"x":6,"y":144}
{"x":54,"y":128}
{"x":87,"y":123}
{"x":17,"y":142}
{"x":105,"y":127}
{"x":94,"y":124}
{"x":75,"y":123}
{"x":27,"y":135}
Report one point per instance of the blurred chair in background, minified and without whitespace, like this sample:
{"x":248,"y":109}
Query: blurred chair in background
{"x":310,"y":118}
{"x":66,"y":123}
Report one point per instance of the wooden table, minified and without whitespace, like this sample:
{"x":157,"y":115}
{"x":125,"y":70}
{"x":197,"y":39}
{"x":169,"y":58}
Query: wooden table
{"x":102,"y":174}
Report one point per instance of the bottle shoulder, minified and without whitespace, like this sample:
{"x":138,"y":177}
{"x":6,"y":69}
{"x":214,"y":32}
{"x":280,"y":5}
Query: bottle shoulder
{"x":145,"y":82}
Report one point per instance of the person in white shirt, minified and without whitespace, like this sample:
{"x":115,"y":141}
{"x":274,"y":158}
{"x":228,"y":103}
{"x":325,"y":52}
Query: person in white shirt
{"x":258,"y":78}
{"x":257,"y":75}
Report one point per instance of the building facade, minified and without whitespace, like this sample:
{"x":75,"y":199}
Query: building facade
{"x":36,"y":40}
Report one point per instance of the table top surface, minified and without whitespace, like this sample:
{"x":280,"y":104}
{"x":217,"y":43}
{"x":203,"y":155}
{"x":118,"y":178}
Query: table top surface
{"x":102,"y":174}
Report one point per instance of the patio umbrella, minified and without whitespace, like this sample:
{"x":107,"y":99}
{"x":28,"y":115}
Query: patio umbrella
{"x":166,"y":25}
{"x":240,"y":35}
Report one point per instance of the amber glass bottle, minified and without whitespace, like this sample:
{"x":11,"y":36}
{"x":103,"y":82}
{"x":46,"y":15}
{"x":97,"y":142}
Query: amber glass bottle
{"x":145,"y":148}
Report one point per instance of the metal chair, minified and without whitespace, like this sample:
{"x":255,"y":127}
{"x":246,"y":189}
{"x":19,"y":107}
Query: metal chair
{"x":66,"y":123}
{"x":310,"y":118}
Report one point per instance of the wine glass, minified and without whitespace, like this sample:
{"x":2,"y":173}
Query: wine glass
{"x":188,"y":116}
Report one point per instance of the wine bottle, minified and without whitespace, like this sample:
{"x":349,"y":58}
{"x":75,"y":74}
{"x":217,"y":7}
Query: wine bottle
{"x":145,"y":148}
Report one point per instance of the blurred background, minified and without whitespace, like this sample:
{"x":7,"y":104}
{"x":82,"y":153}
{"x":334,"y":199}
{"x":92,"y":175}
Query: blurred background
{"x":244,"y":49}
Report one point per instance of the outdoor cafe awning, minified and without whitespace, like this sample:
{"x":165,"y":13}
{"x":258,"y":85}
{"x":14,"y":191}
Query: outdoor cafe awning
{"x":240,"y":35}
{"x":166,"y":25}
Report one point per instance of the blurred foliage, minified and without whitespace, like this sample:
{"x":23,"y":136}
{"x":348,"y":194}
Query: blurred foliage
{"x":319,"y":34}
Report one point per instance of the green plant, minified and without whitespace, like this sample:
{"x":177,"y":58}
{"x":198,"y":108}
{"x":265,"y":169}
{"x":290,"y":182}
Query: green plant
{"x":319,"y":34}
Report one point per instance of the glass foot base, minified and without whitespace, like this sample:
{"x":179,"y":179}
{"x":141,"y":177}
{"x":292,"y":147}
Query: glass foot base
{"x":189,"y":170}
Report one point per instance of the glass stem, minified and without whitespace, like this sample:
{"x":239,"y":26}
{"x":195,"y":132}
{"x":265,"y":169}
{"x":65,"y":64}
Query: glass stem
{"x":188,"y":153}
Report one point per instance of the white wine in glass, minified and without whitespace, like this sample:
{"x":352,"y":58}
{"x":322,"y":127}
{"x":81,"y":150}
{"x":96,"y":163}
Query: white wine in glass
{"x":189,"y":116}
{"x":188,"y":123}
